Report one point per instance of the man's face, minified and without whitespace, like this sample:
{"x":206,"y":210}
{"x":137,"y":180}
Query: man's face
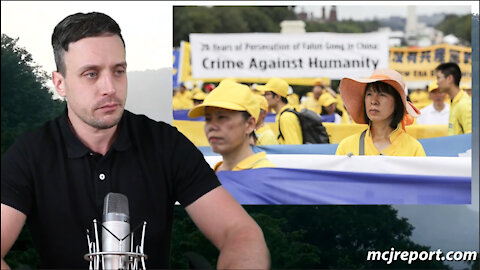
{"x":331,"y":108}
{"x":95,"y":81}
{"x":442,"y":81}
{"x":317,"y":91}
{"x":272,"y":102}
{"x":437,"y":97}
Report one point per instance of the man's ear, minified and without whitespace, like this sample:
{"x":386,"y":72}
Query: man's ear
{"x":59,"y":83}
{"x":450,"y":79}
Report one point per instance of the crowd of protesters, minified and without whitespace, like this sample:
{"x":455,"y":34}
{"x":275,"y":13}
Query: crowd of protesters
{"x":235,"y":113}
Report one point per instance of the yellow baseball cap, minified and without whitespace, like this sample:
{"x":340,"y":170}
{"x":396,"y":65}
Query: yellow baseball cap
{"x":329,"y":100}
{"x":321,"y":82}
{"x":276,"y":85}
{"x":262,"y":101}
{"x":432,"y":86}
{"x":199,"y":96}
{"x":324,"y":97}
{"x":231,"y":96}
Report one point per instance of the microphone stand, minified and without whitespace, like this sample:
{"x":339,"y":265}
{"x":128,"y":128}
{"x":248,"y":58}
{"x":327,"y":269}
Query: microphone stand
{"x":95,"y":256}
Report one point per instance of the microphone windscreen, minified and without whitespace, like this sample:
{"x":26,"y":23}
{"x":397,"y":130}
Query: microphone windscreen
{"x":115,"y":203}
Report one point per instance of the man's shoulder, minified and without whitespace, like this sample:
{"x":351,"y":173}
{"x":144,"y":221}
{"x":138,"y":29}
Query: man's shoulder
{"x":143,"y":128}
{"x":45,"y":131}
{"x":463,"y":105}
{"x":39,"y":140}
{"x":289,"y":114}
{"x":143,"y":121}
{"x":466,"y":99}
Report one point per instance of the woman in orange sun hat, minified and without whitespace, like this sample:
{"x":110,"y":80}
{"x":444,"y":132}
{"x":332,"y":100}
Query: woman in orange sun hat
{"x":380,"y":102}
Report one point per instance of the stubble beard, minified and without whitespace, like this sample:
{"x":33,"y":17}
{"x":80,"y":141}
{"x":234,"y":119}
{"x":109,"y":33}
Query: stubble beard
{"x":99,"y":123}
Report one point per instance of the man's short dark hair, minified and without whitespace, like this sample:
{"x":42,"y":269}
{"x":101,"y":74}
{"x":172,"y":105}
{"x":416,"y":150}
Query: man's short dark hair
{"x":399,"y":110}
{"x":78,"y":26}
{"x":450,"y":69}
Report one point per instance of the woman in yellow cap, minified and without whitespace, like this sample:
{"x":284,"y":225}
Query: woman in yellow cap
{"x":198,"y":98}
{"x":330,"y":106}
{"x":263,"y":132}
{"x":380,"y":102}
{"x":230,"y":116}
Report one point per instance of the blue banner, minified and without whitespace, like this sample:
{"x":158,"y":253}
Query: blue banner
{"x":448,"y":146}
{"x":183,"y":115}
{"x":301,"y":186}
{"x":176,"y":64}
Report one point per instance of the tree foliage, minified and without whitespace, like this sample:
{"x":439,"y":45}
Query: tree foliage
{"x":227,"y":19}
{"x":346,"y":26}
{"x":315,"y":237}
{"x":460,"y":26}
{"x":26,"y":101}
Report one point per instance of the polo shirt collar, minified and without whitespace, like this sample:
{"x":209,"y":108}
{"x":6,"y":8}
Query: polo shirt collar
{"x":251,"y":161}
{"x":458,"y":96}
{"x":247,"y":163}
{"x":122,"y":142}
{"x":393,"y":135}
{"x":75,"y":148}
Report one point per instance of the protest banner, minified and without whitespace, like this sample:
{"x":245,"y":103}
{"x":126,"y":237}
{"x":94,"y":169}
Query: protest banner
{"x":419,"y":63}
{"x":416,"y":64}
{"x":309,"y":55}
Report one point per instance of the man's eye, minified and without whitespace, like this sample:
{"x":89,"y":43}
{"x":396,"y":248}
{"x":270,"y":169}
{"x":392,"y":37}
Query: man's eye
{"x":91,"y":75}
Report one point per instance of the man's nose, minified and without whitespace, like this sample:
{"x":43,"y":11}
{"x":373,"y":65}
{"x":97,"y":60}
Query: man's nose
{"x":108,"y":85}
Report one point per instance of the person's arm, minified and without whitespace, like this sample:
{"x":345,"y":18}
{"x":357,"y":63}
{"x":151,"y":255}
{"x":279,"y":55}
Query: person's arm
{"x":12,"y":223}
{"x":465,"y":118}
{"x":331,"y":91}
{"x":229,"y":227}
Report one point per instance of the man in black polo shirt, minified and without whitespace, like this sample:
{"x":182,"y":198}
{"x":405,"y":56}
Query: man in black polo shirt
{"x":58,"y":175}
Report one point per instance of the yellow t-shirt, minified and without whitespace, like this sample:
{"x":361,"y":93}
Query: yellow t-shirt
{"x":402,"y":145}
{"x":290,"y":126}
{"x":460,"y":119}
{"x":258,"y":160}
{"x":194,"y":91}
{"x":265,"y":136}
{"x":419,"y":96}
{"x":420,"y":99}
{"x":293,"y":99}
{"x":312,"y":104}
{"x":182,"y":101}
